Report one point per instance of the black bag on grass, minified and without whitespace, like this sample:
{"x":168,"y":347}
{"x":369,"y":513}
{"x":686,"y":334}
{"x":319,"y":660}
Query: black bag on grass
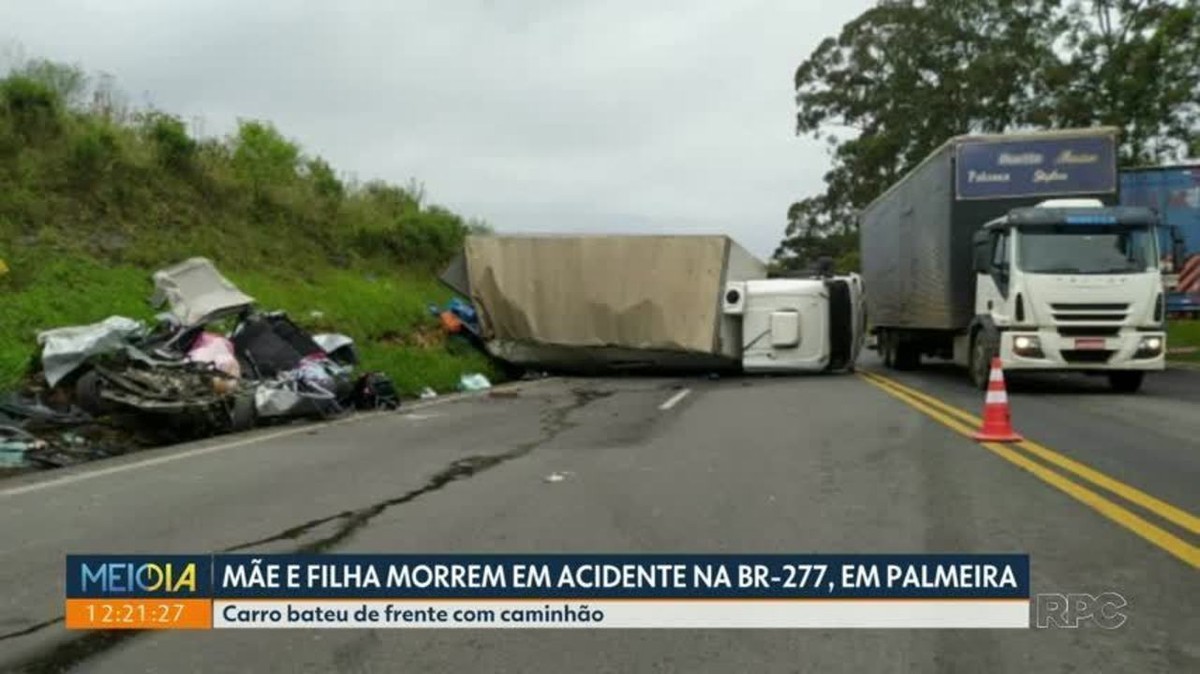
{"x":375,"y":391}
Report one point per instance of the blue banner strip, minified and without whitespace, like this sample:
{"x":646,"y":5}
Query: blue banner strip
{"x":600,"y":576}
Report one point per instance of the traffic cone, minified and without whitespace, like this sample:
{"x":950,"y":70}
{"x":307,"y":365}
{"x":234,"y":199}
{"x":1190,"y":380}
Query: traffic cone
{"x":997,"y":422}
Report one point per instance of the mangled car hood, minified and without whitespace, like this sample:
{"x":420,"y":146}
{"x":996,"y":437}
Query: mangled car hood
{"x":197,"y":293}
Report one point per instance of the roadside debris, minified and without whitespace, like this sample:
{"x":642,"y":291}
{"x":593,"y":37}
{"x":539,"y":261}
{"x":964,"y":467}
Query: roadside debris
{"x":474,"y":382}
{"x":428,"y":393}
{"x":375,"y":391}
{"x":505,"y":393}
{"x":558,"y":476}
{"x":211,"y":363}
{"x":65,"y":349}
{"x":197,"y":293}
{"x":339,"y":347}
{"x":15,"y":444}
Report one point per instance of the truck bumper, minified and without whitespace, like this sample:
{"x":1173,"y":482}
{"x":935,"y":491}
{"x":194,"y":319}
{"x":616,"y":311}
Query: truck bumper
{"x":1128,"y":350}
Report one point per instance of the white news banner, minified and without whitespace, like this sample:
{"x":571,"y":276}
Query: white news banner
{"x":622,"y":614}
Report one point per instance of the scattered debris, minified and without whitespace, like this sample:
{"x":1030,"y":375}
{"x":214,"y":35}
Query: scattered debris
{"x":339,"y":347}
{"x":474,"y":382}
{"x":558,"y":476}
{"x":197,"y":293}
{"x":457,"y":316}
{"x":116,"y":385}
{"x":428,"y":394}
{"x":503,"y":393}
{"x":375,"y":391}
{"x":65,"y":349}
{"x":213,"y":348}
{"x":15,"y":444}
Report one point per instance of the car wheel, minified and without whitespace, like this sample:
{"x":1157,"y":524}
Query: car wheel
{"x":87,"y":394}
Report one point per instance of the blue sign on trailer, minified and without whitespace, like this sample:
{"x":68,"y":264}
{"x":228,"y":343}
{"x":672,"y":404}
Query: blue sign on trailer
{"x":1054,"y":167}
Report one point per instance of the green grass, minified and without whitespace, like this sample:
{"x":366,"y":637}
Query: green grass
{"x":1184,"y":334}
{"x":92,"y":202}
{"x":381,"y":311}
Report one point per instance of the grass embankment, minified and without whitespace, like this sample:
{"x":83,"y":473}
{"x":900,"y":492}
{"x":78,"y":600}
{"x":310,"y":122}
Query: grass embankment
{"x":385,"y":313}
{"x":95,"y":197}
{"x":1184,"y":335}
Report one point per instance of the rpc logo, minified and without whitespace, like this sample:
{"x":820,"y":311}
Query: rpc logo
{"x":116,"y":578}
{"x":1072,"y":610}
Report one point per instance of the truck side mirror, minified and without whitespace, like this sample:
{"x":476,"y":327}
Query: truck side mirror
{"x":983,"y":251}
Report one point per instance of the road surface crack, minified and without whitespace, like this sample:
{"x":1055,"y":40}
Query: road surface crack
{"x":63,"y":656}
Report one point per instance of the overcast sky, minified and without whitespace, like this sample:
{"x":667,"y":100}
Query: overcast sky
{"x":534,"y":115}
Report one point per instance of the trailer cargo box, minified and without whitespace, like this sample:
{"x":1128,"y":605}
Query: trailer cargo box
{"x":606,"y":302}
{"x":916,"y":237}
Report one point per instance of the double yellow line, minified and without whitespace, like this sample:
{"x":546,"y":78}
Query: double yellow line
{"x":965,"y":423}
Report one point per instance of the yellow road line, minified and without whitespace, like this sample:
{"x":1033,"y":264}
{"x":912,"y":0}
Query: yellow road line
{"x":1165,"y":540}
{"x":1171,"y":513}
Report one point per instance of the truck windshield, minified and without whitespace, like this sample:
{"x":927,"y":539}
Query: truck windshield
{"x":1072,"y":249}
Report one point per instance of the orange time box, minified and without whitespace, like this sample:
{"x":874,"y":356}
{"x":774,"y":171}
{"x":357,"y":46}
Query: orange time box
{"x":139,"y":614}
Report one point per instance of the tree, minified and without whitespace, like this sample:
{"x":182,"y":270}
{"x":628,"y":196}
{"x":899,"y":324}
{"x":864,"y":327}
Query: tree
{"x":68,"y":82}
{"x":907,"y":75}
{"x":262,"y":156}
{"x":1134,"y":64}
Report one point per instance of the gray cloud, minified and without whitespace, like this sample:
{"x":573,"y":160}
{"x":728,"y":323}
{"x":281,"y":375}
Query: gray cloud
{"x":535,"y":115}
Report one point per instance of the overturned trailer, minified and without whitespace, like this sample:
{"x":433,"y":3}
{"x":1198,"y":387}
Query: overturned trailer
{"x":627,"y":303}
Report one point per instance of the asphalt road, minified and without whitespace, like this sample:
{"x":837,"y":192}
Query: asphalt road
{"x":830,"y":464}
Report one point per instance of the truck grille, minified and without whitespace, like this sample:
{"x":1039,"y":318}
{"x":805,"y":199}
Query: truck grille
{"x":1089,"y":330}
{"x":1086,"y":356}
{"x":1074,"y":313}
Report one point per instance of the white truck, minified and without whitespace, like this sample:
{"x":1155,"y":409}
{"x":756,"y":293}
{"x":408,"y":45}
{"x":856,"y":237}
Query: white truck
{"x":1012,"y":246}
{"x":622,"y":303}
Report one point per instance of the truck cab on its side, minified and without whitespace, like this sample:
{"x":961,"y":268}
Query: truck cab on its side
{"x":790,"y":325}
{"x":1068,"y":285}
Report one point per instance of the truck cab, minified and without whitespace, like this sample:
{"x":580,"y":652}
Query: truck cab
{"x":1068,"y":284}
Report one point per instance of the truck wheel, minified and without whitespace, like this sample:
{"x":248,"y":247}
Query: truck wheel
{"x":983,"y":350}
{"x":1126,"y":381}
{"x":887,"y":349}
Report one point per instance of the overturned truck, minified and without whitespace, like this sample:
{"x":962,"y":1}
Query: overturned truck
{"x":653,"y":303}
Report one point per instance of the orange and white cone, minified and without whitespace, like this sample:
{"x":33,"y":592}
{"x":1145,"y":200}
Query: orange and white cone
{"x":997,"y":421}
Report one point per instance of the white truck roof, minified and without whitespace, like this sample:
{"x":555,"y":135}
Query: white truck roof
{"x":1071,"y":203}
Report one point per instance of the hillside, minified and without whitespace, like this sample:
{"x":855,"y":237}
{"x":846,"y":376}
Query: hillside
{"x":95,"y":196}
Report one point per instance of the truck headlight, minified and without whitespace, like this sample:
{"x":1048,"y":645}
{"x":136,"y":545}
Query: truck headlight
{"x":1149,"y":347}
{"x":1028,"y":346}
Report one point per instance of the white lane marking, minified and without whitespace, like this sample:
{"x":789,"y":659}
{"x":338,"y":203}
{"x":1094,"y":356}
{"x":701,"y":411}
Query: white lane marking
{"x":420,"y":417}
{"x":201,"y":451}
{"x":674,"y":400}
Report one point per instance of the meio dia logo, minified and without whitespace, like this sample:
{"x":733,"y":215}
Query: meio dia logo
{"x":115,"y":578}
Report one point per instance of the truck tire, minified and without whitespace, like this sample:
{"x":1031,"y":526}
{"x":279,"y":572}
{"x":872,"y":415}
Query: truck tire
{"x":1126,"y":381}
{"x":887,"y":349}
{"x":983,"y":349}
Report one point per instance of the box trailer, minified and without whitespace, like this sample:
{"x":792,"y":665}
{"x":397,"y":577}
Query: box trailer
{"x":588,"y":303}
{"x":1174,"y":194}
{"x":1013,"y":246}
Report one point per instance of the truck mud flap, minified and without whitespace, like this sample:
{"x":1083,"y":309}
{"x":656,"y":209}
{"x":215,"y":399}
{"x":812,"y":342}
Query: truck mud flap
{"x":841,"y":324}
